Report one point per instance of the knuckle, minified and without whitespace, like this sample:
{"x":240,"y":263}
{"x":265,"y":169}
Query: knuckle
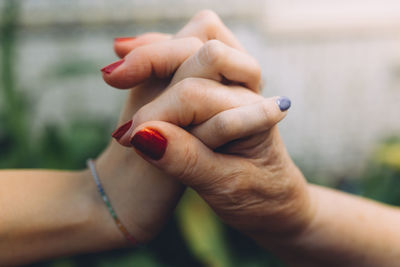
{"x":206,"y":15}
{"x":220,"y":125}
{"x":209,"y":21}
{"x":187,"y":89}
{"x":226,"y":127}
{"x":212,"y":52}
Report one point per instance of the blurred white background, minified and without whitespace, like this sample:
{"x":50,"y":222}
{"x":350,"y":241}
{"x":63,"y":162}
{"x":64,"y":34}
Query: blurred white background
{"x":339,"y":62}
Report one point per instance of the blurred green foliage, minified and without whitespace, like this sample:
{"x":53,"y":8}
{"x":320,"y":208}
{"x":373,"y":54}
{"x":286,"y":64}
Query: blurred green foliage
{"x":194,"y":237}
{"x":382,"y":178}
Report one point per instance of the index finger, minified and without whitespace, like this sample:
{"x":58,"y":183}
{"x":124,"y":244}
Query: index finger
{"x":124,"y":45}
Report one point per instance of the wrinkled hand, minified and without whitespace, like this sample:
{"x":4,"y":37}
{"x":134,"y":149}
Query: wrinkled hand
{"x":234,"y":158}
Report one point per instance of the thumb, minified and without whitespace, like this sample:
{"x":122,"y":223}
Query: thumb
{"x":179,"y":154}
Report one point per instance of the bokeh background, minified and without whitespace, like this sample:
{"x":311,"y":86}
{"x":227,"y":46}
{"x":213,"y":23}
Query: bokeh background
{"x":338,"y":60}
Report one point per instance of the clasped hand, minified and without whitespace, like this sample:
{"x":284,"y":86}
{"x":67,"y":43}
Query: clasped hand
{"x":195,"y":115}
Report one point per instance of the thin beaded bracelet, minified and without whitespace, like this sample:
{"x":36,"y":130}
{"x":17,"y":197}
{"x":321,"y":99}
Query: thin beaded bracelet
{"x":121,"y":227}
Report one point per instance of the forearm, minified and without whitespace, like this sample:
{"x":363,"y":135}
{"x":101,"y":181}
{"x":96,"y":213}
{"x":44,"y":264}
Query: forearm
{"x":346,"y":231}
{"x":46,"y":214}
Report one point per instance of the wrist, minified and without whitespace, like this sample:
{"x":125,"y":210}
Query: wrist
{"x":141,"y":196}
{"x":110,"y":204}
{"x":96,"y":221}
{"x":52,"y":215}
{"x":294,"y":213}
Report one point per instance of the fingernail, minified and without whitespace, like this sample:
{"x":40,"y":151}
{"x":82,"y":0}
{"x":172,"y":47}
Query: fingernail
{"x":284,"y":103}
{"x":123,"y":39}
{"x":150,"y":142}
{"x":117,"y":134}
{"x":108,"y":69}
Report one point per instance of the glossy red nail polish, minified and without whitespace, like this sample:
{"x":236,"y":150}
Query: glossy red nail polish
{"x":150,"y":142}
{"x":108,"y":69}
{"x":117,"y":134}
{"x":123,"y":39}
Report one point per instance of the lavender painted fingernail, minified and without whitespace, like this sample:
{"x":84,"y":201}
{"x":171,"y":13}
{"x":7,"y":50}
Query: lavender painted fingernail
{"x":283,"y":102}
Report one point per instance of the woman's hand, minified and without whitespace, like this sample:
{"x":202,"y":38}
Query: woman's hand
{"x":236,"y":160}
{"x":142,"y":195}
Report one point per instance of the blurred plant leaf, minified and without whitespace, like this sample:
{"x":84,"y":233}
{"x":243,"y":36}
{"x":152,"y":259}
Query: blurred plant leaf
{"x":69,"y":147}
{"x":382,"y":178}
{"x":203,"y":231}
{"x":63,"y":263}
{"x":138,"y":258}
{"x":389,"y":154}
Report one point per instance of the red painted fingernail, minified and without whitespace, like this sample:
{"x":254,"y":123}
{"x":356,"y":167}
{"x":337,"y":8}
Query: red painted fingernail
{"x":117,"y":134}
{"x":123,"y":39}
{"x":108,"y":69}
{"x":150,"y":142}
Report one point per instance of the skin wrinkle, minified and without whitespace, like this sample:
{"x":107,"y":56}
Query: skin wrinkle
{"x":209,"y":188}
{"x":239,"y":195}
{"x":242,"y":147}
{"x":142,"y":64}
{"x":191,"y":163}
{"x":246,"y":196}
